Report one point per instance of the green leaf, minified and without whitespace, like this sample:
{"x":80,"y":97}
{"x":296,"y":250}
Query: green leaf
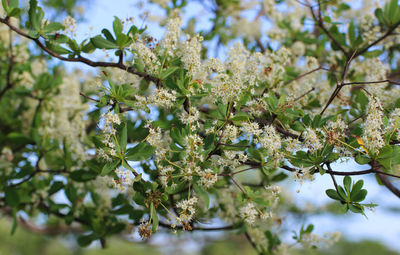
{"x":117,"y":26}
{"x":352,"y":33}
{"x":14,"y":3}
{"x":279,"y":177}
{"x":6,"y":7}
{"x":57,"y":49}
{"x":373,"y":53}
{"x":347,"y":183}
{"x":165,"y":74}
{"x":32,"y":14}
{"x":18,"y":139}
{"x":85,"y":240}
{"x":55,"y":187}
{"x":122,"y":41}
{"x":88,"y":47}
{"x":392,"y":8}
{"x":379,"y":15}
{"x":12,"y":197}
{"x":15,"y":222}
{"x":360,"y":196}
{"x":355,"y":208}
{"x":342,"y":193}
{"x":123,"y":139}
{"x":361,"y":159}
{"x":154,"y":217}
{"x":333,"y":194}
{"x":53,"y":26}
{"x":140,"y":152}
{"x":107,"y":34}
{"x":110,"y":166}
{"x":15,"y":12}
{"x":203,"y":194}
{"x":82,"y":175}
{"x":385,"y":152}
{"x":261,"y":201}
{"x":101,"y":43}
{"x":356,"y":188}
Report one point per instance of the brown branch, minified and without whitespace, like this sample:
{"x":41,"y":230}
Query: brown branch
{"x":238,"y":185}
{"x":304,"y":94}
{"x":388,"y":33}
{"x":339,"y":86}
{"x":88,"y":97}
{"x":385,"y":181}
{"x":383,"y":178}
{"x":169,"y":226}
{"x":84,"y":60}
{"x":239,"y":171}
{"x":253,"y":244}
{"x":343,"y":173}
{"x":305,"y":74}
{"x":328,"y":165}
{"x":320,"y":22}
{"x":370,"y":82}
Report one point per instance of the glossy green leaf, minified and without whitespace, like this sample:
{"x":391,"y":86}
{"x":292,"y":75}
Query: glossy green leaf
{"x":203,"y":194}
{"x":333,"y":194}
{"x":117,"y":26}
{"x":101,"y":43}
{"x":110,"y":166}
{"x":140,"y":152}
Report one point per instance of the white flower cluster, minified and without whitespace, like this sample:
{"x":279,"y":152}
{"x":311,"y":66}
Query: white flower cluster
{"x":335,"y":131}
{"x":154,"y":138}
{"x":63,"y":116}
{"x":370,"y":30}
{"x":191,"y":55}
{"x":312,"y":140}
{"x":373,"y":131}
{"x":165,"y":175}
{"x":70,"y":25}
{"x":147,"y":56}
{"x":313,"y":240}
{"x":125,"y":181}
{"x":172,"y":35}
{"x":270,"y":140}
{"x":251,"y":129}
{"x":207,"y":178}
{"x":191,"y":118}
{"x":188,"y":209}
{"x":249,"y":213}
{"x":109,"y":132}
{"x":162,"y":98}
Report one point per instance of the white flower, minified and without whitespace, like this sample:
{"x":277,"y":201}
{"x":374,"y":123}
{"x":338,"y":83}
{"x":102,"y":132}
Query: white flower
{"x":70,"y":25}
{"x":188,"y":209}
{"x":249,"y":213}
{"x":270,"y":139}
{"x":373,"y":132}
{"x":171,"y":36}
{"x":208,"y":178}
{"x":312,"y":140}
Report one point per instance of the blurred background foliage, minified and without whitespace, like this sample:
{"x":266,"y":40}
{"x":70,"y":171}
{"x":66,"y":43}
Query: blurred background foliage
{"x":27,"y":243}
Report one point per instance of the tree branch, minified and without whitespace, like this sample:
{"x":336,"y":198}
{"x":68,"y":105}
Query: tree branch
{"x":84,"y":60}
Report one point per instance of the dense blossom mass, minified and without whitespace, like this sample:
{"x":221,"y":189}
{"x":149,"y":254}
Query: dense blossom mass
{"x":167,"y":135}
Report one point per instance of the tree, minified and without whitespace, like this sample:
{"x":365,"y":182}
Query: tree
{"x":162,"y":139}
